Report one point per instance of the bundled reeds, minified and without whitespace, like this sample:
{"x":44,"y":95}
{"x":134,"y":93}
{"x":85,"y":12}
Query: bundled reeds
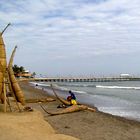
{"x":70,"y":109}
{"x":8,"y":82}
{"x":65,"y":102}
{"x":15,"y":86}
{"x":2,"y":66}
{"x":1,"y":84}
{"x":2,"y":54}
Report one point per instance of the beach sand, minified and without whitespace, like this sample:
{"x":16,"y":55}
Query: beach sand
{"x":84,"y":125}
{"x":25,"y":124}
{"x":28,"y":126}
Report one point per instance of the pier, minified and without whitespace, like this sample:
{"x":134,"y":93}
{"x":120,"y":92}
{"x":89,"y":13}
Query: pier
{"x":104,"y":79}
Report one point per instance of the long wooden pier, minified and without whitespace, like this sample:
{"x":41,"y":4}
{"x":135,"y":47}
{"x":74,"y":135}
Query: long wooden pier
{"x":104,"y":79}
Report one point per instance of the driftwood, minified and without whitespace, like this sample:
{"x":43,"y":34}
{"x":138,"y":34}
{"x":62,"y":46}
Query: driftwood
{"x":15,"y":86}
{"x":39,"y":100}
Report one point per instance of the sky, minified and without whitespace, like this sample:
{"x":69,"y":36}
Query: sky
{"x":73,"y":37}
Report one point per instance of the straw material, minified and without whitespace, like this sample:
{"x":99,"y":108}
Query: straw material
{"x":1,"y":78}
{"x":2,"y":67}
{"x":8,"y":76}
{"x":2,"y":54}
{"x":73,"y":108}
{"x":15,"y":86}
{"x":1,"y":84}
{"x":65,"y":102}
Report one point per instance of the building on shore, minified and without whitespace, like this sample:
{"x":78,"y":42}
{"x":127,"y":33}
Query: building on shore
{"x":25,"y":74}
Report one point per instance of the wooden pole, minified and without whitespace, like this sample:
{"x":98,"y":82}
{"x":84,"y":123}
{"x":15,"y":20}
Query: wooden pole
{"x":4,"y":92}
{"x":7,"y":87}
{"x":8,"y":102}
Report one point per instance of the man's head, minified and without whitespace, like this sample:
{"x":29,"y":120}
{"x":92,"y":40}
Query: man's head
{"x":70,"y":91}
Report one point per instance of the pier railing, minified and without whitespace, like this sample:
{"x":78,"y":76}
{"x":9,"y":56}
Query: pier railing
{"x":104,"y":79}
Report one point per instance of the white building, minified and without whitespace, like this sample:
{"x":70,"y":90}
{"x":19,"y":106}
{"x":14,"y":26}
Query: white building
{"x":125,"y":75}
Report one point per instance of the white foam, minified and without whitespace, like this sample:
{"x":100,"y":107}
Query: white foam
{"x":67,"y":89}
{"x":62,"y":88}
{"x":130,"y":114}
{"x":40,"y":84}
{"x":78,"y":91}
{"x":117,"y":87}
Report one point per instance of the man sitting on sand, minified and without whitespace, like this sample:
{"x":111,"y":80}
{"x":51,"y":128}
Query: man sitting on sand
{"x":72,"y":95}
{"x":72,"y":98}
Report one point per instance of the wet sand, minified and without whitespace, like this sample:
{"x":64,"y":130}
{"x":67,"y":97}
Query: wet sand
{"x":84,"y":125}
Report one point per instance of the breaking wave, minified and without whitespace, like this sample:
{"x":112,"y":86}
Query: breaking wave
{"x":56,"y":87}
{"x":66,"y":87}
{"x":117,"y":87}
{"x":99,"y":86}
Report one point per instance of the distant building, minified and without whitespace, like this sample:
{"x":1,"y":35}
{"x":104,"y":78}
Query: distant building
{"x":125,"y":75}
{"x":25,"y":74}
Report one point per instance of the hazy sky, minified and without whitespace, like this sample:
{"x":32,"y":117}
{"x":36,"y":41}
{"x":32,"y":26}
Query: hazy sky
{"x":73,"y":37}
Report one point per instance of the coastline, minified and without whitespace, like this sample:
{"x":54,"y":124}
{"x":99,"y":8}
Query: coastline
{"x":84,"y":125}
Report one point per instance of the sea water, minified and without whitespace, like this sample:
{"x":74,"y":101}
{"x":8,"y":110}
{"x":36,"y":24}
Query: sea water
{"x":117,"y":98}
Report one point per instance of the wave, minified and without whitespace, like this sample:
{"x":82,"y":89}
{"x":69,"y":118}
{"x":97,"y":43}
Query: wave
{"x":40,"y":84}
{"x":78,"y":91}
{"x":117,"y":87}
{"x":64,"y":86}
{"x":99,"y":86}
{"x":67,"y":89}
{"x":77,"y":85}
{"x":57,"y":87}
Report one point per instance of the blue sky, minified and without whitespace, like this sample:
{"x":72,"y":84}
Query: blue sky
{"x":73,"y":37}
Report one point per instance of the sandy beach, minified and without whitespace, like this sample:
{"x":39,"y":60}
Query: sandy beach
{"x":85,"y":51}
{"x":84,"y":125}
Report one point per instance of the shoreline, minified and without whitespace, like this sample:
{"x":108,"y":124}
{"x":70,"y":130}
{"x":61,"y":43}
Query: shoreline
{"x":84,"y":125}
{"x":108,"y":114}
{"x":82,"y":101}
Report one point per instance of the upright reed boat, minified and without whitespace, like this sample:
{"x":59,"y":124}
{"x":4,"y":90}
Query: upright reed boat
{"x":7,"y":76}
{"x":14,"y":84}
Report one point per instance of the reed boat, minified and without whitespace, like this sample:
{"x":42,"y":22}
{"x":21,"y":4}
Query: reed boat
{"x":8,"y":82}
{"x":73,"y":108}
{"x":63,"y":101}
{"x":70,"y":108}
{"x":3,"y":65}
{"x":14,"y":84}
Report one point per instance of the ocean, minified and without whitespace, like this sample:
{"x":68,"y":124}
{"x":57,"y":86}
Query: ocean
{"x":116,"y":98}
